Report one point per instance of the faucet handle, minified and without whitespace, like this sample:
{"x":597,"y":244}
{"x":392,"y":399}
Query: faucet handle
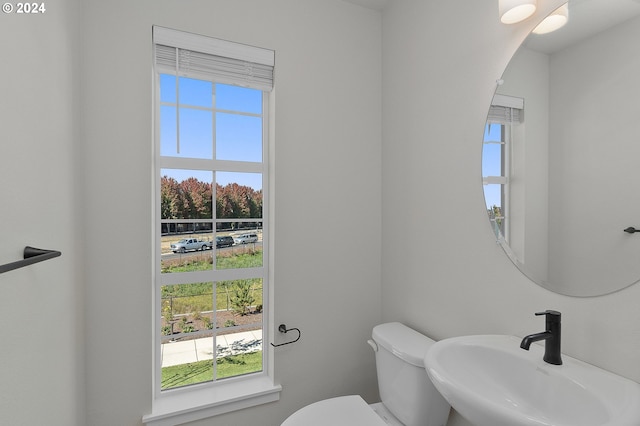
{"x":549,"y":312}
{"x":552,"y":319}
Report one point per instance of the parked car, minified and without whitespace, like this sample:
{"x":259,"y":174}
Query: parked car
{"x":187,"y":244}
{"x":245,"y":238}
{"x":225,"y":241}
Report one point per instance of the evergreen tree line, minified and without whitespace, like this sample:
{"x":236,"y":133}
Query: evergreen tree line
{"x":192,"y":199}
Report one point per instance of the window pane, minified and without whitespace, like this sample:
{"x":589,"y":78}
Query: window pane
{"x":239,"y":303}
{"x":493,"y":132}
{"x":187,"y":327}
{"x":493,"y":165}
{"x":196,"y":92}
{"x":492,"y":159}
{"x":241,"y":99}
{"x":239,"y":325}
{"x":238,"y":137}
{"x":495,"y":210}
{"x":186,"y":245}
{"x":186,"y":251}
{"x":187,"y":334}
{"x":168,"y":131}
{"x":186,"y":194}
{"x":167,"y":88}
{"x":196,"y":133}
{"x":238,"y":195}
{"x":493,"y":195}
{"x":239,"y":245}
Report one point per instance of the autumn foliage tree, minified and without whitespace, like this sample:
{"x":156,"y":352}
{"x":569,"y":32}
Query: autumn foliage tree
{"x":193,"y":199}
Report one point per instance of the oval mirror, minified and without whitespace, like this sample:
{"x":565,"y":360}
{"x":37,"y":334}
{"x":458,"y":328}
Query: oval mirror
{"x":561,"y":152}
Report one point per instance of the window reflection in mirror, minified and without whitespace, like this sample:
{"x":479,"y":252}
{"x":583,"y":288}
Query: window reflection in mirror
{"x":505,"y":115}
{"x":494,"y":177}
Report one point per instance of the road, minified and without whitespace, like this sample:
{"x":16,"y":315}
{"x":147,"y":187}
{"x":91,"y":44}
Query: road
{"x":170,"y":255}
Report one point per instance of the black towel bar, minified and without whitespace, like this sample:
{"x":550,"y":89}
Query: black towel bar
{"x":30,"y":256}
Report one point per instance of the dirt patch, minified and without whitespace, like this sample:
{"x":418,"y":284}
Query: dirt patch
{"x":201,"y":326}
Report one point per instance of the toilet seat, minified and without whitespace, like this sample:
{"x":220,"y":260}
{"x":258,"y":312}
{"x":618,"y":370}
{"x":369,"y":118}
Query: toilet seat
{"x":349,"y":410}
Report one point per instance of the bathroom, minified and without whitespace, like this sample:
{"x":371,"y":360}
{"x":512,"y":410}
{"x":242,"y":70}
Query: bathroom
{"x":388,"y":127}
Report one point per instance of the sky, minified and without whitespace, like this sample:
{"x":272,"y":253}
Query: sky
{"x":187,"y":131}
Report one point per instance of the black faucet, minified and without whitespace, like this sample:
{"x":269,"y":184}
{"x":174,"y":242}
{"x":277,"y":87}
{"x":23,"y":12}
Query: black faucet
{"x":551,"y":336}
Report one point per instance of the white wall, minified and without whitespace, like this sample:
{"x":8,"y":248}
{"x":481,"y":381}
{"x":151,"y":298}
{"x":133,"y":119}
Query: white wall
{"x":451,"y":278}
{"x":594,"y":150}
{"x":327,"y":194}
{"x":41,"y":360}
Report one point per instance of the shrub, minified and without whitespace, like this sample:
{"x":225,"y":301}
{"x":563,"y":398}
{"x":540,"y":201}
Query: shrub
{"x":242,"y":298}
{"x":167,"y":312}
{"x":188,"y":328}
{"x":197,"y":315}
{"x":206,"y":321}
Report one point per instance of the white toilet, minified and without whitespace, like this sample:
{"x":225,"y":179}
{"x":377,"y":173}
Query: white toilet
{"x":408,"y":396}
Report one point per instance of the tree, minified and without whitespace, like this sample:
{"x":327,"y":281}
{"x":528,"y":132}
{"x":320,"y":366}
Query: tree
{"x":243,"y":297}
{"x":193,"y":199}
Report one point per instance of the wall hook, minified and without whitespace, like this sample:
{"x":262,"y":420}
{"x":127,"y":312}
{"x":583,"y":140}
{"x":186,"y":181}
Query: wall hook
{"x":631,"y":230}
{"x":283,"y":329}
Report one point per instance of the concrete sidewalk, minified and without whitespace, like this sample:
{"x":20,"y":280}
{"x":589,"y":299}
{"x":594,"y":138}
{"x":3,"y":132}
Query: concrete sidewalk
{"x":175,"y":353}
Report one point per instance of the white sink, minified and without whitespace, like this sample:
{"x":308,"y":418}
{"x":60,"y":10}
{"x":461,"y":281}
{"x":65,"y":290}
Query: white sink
{"x":490,"y":381}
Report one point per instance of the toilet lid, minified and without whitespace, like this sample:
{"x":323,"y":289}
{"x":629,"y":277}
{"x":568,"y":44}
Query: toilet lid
{"x":349,"y":410}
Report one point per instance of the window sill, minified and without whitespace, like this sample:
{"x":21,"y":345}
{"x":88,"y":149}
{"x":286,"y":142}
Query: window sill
{"x":184,"y":406}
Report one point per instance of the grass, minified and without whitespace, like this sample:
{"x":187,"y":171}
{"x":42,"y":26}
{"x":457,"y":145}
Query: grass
{"x":248,"y":258}
{"x":187,"y":298}
{"x":245,"y":257}
{"x":236,"y":365}
{"x":202,"y":371}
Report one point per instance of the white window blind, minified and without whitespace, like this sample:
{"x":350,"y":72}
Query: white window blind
{"x":187,"y":54}
{"x":506,"y":109}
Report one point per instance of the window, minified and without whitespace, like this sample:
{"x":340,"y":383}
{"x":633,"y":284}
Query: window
{"x":495,"y":175}
{"x":211,"y":273}
{"x":505,"y":112}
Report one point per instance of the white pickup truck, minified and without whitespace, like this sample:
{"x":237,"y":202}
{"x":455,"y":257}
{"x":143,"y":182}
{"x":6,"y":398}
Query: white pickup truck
{"x":188,"y":244}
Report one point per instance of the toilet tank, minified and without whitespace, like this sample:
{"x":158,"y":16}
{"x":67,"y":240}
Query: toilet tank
{"x":405,"y":387}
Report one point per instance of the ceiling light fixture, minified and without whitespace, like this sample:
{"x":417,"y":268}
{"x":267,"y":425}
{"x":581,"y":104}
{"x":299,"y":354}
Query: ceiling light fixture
{"x":514,"y":11}
{"x":554,"y":21}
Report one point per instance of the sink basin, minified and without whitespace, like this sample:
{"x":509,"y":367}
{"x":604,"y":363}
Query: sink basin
{"x":490,"y":381}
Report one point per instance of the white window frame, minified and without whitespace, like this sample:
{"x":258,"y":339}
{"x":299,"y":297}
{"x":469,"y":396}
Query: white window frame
{"x":503,"y":179}
{"x":194,"y":402}
{"x":505,"y":110}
